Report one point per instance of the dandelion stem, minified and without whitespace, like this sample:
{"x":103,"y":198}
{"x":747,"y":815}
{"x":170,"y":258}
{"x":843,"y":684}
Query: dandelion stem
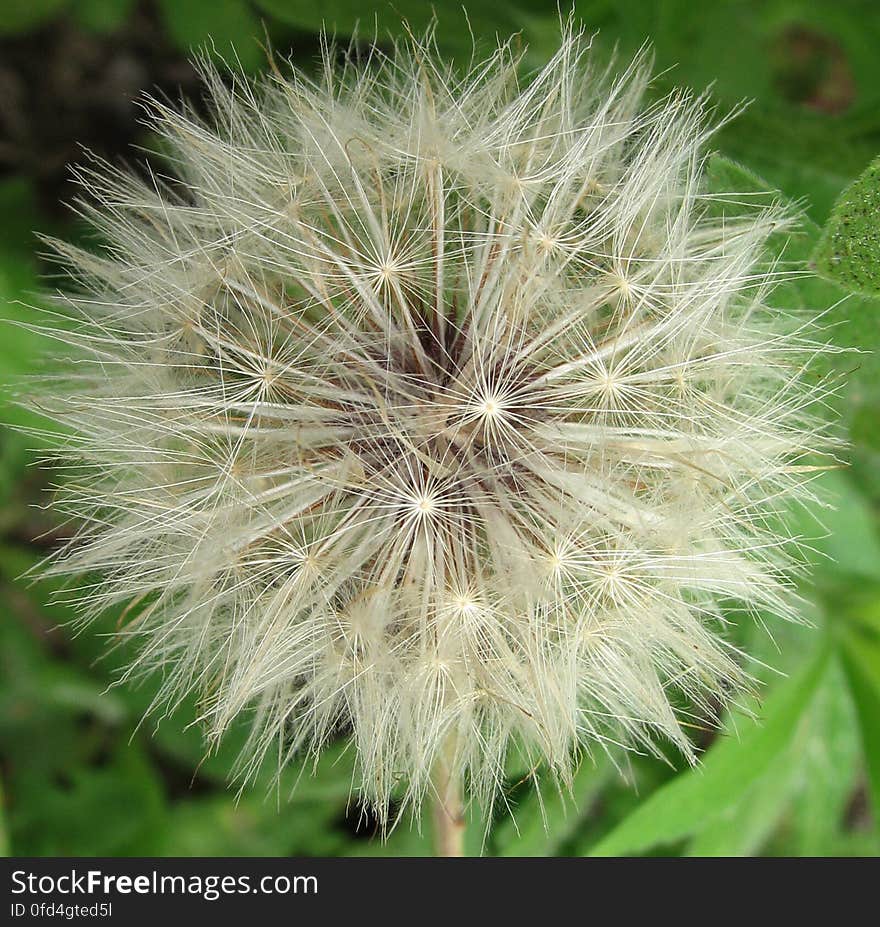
{"x":449,"y":822}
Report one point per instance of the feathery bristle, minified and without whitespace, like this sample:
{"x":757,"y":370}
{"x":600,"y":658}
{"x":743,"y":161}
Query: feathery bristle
{"x":436,"y":407}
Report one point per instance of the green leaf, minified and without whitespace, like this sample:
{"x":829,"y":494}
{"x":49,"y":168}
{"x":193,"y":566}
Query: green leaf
{"x":848,"y":254}
{"x":826,"y":758}
{"x":860,"y":651}
{"x":809,"y":157}
{"x":226,"y":28}
{"x":455,"y":30}
{"x":21,"y":349}
{"x":112,"y":808}
{"x":694,"y":799}
{"x":807,"y":787}
{"x":405,"y":840}
{"x":849,"y":250}
{"x":548,"y":817}
{"x":843,"y":537}
{"x":748,"y":51}
{"x":849,"y":322}
{"x":302,"y":815}
{"x":743,"y":829}
{"x":724,"y":179}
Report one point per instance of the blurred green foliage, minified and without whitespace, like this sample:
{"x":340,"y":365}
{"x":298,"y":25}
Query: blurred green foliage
{"x":794,"y":772}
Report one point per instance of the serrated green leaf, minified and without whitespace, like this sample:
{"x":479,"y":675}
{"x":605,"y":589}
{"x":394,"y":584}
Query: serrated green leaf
{"x":694,"y":799}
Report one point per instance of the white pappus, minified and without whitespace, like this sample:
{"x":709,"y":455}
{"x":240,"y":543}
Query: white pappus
{"x":436,"y":406}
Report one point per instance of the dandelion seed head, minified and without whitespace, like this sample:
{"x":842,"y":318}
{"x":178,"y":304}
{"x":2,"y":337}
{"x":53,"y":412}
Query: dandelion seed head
{"x":434,"y":407}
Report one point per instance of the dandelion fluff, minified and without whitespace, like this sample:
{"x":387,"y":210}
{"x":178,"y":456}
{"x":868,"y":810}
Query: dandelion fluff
{"x":434,"y":407}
